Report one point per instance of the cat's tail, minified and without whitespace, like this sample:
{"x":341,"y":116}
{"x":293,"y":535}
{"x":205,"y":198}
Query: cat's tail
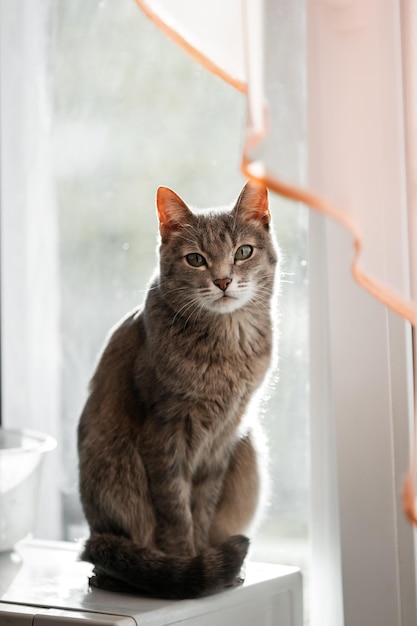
{"x":122,"y":565}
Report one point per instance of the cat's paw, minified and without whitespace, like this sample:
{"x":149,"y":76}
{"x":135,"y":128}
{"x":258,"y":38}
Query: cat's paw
{"x":238,"y":545}
{"x":240,"y":579}
{"x":102,"y":580}
{"x":235,"y":550}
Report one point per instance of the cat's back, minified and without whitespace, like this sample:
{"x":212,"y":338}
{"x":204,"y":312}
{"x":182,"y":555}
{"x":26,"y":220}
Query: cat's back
{"x":121,"y":347}
{"x":112,"y":385}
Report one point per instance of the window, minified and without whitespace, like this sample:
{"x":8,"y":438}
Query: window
{"x":126,"y":111}
{"x":132,"y":112}
{"x":97,"y":110}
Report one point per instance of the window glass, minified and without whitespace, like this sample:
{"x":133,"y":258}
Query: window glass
{"x":132,"y":112}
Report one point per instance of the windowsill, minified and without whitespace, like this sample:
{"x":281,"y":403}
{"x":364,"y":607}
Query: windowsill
{"x":45,"y":579}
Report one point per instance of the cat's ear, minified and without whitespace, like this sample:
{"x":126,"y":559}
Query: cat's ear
{"x":173,"y":213}
{"x":252,"y":204}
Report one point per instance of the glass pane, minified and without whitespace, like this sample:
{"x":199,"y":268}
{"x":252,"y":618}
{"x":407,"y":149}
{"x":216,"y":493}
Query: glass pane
{"x":133,"y":112}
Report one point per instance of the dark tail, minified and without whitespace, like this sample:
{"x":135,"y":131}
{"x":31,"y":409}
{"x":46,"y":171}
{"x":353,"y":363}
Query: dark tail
{"x":121,"y":565}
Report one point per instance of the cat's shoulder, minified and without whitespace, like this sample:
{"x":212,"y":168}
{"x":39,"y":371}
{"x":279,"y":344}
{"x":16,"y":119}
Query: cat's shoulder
{"x":128,"y":326}
{"x":124,"y":336}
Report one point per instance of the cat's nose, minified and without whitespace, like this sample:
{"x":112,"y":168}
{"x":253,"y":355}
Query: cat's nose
{"x":222,"y":283}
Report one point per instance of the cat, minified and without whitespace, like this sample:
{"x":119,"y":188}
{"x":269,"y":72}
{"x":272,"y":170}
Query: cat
{"x":169,"y":465}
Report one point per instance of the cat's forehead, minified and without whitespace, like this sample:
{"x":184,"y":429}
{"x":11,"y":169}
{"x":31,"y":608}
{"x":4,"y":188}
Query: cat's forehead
{"x":222,"y":224}
{"x":216,"y":230}
{"x":213,"y":221}
{"x":212,"y":213}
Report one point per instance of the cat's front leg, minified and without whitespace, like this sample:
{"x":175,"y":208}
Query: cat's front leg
{"x":174,"y":532}
{"x":206,"y":491}
{"x":170,"y":490}
{"x":240,"y":498}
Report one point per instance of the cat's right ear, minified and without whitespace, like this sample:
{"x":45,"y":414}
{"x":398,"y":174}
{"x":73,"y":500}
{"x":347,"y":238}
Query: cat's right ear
{"x":173,"y":213}
{"x":252,"y":204}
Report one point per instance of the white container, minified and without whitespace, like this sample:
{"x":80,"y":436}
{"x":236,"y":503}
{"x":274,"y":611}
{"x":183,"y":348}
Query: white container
{"x":21,"y":456}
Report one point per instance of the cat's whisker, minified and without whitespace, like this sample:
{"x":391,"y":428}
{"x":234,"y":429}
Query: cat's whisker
{"x":195,"y":306}
{"x":146,"y":290}
{"x":184,"y":308}
{"x":177,"y":290}
{"x":261,"y":298}
{"x":192,"y":228}
{"x":264,"y":290}
{"x":197,"y":309}
{"x":193,"y":232}
{"x":161,"y":286}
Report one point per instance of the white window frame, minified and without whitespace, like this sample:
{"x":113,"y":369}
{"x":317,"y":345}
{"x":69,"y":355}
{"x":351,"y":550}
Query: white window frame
{"x":363,"y":565}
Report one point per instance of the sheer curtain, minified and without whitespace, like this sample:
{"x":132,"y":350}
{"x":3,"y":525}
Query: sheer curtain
{"x":353,"y":64}
{"x":360,"y":58}
{"x":29,"y":268}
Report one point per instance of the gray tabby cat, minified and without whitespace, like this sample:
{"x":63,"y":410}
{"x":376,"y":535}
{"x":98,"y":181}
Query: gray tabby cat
{"x":170,"y":473}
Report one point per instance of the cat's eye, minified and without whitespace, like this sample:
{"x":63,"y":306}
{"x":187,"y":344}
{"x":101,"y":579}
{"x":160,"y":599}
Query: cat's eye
{"x":243,"y":253}
{"x":195,"y":260}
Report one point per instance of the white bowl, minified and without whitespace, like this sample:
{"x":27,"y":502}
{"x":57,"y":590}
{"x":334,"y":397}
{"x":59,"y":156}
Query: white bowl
{"x":21,"y":456}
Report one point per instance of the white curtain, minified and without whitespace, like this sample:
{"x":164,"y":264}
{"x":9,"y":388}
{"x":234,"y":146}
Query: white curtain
{"x":30,"y":293}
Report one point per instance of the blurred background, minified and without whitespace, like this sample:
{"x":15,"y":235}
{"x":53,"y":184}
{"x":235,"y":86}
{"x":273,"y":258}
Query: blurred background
{"x":131,"y":112}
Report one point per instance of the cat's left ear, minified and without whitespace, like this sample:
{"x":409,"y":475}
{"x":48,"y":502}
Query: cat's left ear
{"x":252,"y":204}
{"x":173,"y":213}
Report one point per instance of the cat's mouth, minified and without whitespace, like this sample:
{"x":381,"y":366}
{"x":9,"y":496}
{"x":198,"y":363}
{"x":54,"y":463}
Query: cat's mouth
{"x":227,"y":302}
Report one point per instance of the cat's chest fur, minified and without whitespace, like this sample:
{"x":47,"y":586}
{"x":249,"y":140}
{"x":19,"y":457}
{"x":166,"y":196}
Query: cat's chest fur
{"x":215,"y":355}
{"x":199,"y":378}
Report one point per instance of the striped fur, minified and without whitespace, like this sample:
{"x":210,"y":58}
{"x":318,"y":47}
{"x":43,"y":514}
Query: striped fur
{"x":170,"y":452}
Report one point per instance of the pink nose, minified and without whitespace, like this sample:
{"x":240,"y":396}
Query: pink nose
{"x":222,"y":283}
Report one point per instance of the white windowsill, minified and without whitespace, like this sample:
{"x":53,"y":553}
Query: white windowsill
{"x":44,"y":581}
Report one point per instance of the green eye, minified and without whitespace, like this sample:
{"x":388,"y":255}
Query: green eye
{"x":243,"y":253}
{"x":195,"y":260}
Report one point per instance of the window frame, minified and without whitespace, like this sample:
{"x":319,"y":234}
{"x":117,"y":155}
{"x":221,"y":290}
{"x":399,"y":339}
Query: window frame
{"x":363,"y":549}
{"x":363,"y":565}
